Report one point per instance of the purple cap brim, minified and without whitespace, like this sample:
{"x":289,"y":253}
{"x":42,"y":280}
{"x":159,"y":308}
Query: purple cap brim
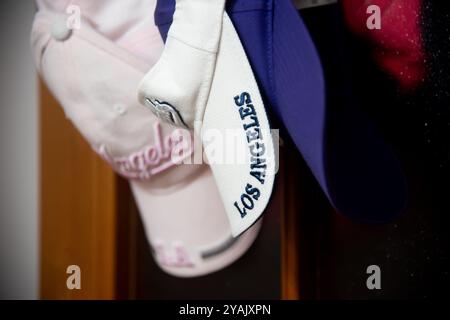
{"x":349,"y":158}
{"x":355,"y":168}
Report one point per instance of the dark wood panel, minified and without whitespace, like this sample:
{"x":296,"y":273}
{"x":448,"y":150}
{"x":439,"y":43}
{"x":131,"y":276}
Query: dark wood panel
{"x":78,"y":210}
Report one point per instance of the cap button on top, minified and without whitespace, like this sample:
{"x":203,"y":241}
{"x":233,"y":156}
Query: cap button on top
{"x":60,"y":31}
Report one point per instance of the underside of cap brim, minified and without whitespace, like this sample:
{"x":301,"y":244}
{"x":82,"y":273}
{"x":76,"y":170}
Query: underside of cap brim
{"x":235,"y":110}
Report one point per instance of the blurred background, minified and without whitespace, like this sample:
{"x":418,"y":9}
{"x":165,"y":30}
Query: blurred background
{"x":19,"y":254}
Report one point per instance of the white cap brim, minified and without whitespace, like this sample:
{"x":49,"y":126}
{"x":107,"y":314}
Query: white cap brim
{"x":245,"y":189}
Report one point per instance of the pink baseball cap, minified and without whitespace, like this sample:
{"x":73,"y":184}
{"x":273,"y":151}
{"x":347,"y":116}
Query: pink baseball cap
{"x":93,"y":64}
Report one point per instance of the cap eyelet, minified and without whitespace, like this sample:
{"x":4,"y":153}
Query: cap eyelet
{"x":60,"y":31}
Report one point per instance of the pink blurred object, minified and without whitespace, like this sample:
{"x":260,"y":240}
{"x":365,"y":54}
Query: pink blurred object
{"x":397,"y":46}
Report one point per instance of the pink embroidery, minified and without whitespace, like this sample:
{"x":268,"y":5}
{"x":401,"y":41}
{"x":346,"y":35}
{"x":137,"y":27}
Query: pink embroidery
{"x":177,"y":256}
{"x":153,"y":159}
